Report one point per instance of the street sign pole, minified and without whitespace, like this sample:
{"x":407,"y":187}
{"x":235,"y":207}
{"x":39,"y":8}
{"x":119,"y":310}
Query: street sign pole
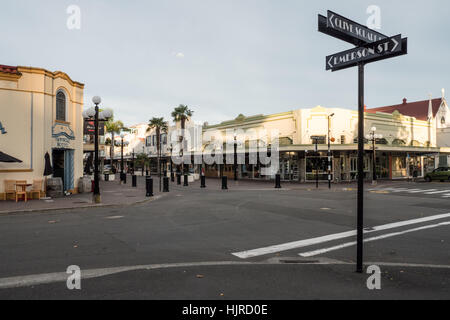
{"x":360,"y":205}
{"x":371,"y":46}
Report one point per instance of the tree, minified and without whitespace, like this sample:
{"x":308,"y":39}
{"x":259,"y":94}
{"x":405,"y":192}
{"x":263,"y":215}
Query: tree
{"x":114,"y":127}
{"x":143,"y":161}
{"x":160,"y":126}
{"x":181,"y":114}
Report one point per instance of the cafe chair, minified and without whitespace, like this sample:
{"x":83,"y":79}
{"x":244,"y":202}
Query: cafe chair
{"x":19,"y":191}
{"x":10,"y":188}
{"x":36,"y":188}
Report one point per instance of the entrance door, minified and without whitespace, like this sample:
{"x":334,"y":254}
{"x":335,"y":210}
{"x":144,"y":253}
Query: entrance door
{"x":63,"y":167}
{"x":68,"y":170}
{"x":58,"y":163}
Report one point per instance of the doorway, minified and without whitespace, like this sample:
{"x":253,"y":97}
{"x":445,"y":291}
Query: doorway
{"x":63,"y":167}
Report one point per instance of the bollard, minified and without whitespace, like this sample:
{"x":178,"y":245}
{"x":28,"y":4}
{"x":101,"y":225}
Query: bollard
{"x":186,"y":183}
{"x":106,"y":177}
{"x":124,"y":178}
{"x":166,"y":184}
{"x":203,"y":182}
{"x":178,"y":178}
{"x":172,"y":176}
{"x":149,"y":186}
{"x":134,"y":181}
{"x":278,"y":181}
{"x":224,"y":183}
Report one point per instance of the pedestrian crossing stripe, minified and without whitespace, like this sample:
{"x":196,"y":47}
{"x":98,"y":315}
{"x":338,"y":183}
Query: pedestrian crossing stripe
{"x":442,"y":193}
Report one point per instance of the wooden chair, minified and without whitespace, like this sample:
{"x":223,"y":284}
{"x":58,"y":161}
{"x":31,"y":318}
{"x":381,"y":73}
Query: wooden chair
{"x":10,"y":188}
{"x":19,"y":191}
{"x":36,"y":189}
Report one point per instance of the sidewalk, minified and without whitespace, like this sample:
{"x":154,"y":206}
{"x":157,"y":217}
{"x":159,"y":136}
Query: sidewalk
{"x":112,"y":194}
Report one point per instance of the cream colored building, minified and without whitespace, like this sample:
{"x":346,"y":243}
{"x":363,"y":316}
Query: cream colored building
{"x":40,"y":112}
{"x":408,"y":146}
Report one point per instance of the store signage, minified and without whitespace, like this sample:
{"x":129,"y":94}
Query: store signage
{"x":89,"y":128}
{"x":63,"y":133}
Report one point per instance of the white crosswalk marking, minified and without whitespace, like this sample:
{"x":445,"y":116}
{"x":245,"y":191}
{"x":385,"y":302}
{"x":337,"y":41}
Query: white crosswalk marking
{"x":442,"y":193}
{"x":420,"y":191}
{"x":438,"y":192}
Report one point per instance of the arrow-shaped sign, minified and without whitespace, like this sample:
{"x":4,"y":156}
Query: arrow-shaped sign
{"x":383,"y":49}
{"x":345,"y":29}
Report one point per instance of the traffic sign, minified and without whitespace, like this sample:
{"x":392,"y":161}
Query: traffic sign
{"x":347,"y":30}
{"x":380,"y":50}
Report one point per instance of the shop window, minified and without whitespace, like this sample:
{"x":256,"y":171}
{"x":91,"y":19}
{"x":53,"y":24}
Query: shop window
{"x":61,"y":106}
{"x":320,"y":140}
{"x":398,"y":142}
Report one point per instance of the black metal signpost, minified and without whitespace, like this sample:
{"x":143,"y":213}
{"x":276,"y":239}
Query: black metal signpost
{"x":371,"y":46}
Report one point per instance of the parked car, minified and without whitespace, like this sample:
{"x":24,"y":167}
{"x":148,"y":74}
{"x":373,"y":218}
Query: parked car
{"x":441,"y":174}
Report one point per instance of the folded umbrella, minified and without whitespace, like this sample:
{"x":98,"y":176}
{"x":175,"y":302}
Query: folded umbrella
{"x":48,"y":170}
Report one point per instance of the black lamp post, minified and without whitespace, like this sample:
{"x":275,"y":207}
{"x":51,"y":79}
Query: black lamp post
{"x":372,"y":136}
{"x":123,"y":177}
{"x":235,"y":159}
{"x":329,"y":151}
{"x":97,"y":116}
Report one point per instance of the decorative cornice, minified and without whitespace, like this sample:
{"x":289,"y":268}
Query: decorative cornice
{"x":53,"y":75}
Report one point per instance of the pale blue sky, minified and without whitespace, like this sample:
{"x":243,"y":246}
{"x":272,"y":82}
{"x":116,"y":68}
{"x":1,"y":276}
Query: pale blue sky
{"x":240,"y":56}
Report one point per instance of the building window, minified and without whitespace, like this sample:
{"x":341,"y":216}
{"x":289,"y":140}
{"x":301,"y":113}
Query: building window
{"x":443,"y":120}
{"x":342,"y":139}
{"x":61,"y":106}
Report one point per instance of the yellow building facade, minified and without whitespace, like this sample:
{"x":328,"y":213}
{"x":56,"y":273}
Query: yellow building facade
{"x":41,"y":112}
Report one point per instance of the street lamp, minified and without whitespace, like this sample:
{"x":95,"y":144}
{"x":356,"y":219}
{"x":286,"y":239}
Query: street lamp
{"x":122,"y":173}
{"x":172,"y":176}
{"x":235,"y":158}
{"x":93,"y":114}
{"x":372,"y":136}
{"x":329,"y":151}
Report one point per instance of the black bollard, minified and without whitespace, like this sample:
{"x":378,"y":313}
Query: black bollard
{"x":166,"y":184}
{"x":203,"y":182}
{"x":172,"y":176}
{"x":224,"y":183}
{"x":149,"y":186}
{"x":278,"y":181}
{"x":178,"y":178}
{"x":134,"y":181}
{"x":124,"y":178}
{"x":186,"y":183}
{"x":106,"y":177}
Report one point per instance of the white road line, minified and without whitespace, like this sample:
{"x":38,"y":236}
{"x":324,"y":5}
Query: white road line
{"x":313,"y":241}
{"x":421,"y":190}
{"x":384,"y":236}
{"x":438,"y":192}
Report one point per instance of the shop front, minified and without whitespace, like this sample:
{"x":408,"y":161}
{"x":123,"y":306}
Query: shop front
{"x":41,"y":120}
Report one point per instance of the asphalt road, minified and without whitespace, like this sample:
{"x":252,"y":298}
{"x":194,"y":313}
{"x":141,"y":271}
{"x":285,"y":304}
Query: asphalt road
{"x":186,"y":245}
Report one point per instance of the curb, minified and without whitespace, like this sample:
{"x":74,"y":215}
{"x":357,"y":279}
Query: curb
{"x":117,"y":205}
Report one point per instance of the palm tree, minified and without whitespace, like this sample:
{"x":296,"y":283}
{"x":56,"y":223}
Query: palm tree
{"x":114,"y":127}
{"x":160,"y":126}
{"x":181,"y":114}
{"x":143,"y":161}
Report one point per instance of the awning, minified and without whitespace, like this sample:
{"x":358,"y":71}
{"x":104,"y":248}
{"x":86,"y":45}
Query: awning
{"x":7,"y":158}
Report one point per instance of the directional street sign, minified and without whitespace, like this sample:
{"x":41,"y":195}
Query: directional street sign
{"x":383,"y":49}
{"x":371,"y":46}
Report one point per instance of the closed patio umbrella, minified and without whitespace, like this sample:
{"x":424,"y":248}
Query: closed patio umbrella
{"x":7,"y":158}
{"x":48,"y":166}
